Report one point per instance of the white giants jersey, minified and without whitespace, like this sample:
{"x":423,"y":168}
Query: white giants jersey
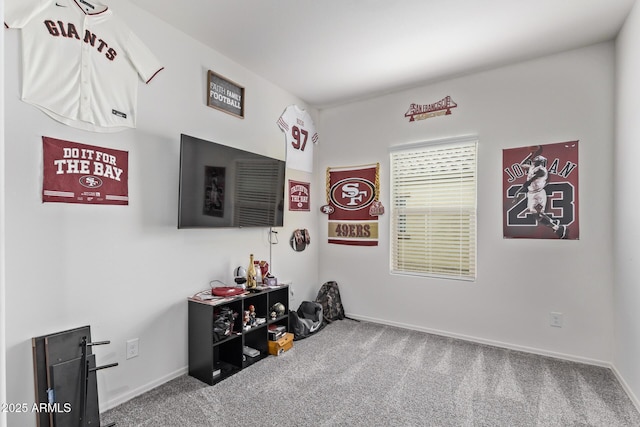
{"x":81,"y":64}
{"x":300,"y":135}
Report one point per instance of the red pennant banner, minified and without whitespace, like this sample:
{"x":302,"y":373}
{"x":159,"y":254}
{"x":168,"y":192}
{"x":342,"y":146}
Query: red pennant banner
{"x":299,"y":193}
{"x":79,"y":173}
{"x":350,"y":192}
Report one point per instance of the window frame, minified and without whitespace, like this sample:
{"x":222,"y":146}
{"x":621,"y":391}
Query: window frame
{"x":467,"y":211}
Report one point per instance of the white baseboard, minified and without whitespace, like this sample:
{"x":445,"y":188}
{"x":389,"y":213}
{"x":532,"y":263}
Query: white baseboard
{"x":501,"y":344}
{"x":532,"y":350}
{"x":118,"y":400}
{"x":626,"y":388}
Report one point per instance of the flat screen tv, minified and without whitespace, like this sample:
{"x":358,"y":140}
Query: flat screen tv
{"x":222,"y":186}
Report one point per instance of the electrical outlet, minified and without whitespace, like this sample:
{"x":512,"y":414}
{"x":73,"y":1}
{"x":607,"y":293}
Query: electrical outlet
{"x":132,"y":348}
{"x":555,"y":319}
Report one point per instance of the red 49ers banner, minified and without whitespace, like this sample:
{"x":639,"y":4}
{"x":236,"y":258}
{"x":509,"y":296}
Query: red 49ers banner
{"x":299,"y":195}
{"x":540,"y":191}
{"x":79,"y":173}
{"x":353,"y":207}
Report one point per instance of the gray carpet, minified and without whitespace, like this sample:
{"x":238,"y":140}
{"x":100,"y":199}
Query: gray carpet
{"x":364,"y":374}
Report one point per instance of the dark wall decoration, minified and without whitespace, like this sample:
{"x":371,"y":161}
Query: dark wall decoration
{"x":540,"y":191}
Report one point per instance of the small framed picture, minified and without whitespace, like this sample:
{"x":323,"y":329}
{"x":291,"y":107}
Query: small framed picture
{"x":299,"y":195}
{"x":225,"y":95}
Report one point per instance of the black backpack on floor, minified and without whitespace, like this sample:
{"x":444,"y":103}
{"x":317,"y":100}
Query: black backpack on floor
{"x":329,"y":298}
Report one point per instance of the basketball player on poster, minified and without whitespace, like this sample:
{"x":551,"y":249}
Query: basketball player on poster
{"x":540,"y":186}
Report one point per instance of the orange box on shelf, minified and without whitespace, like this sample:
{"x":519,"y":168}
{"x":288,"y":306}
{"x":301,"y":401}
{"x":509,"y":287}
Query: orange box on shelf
{"x":278,"y":347}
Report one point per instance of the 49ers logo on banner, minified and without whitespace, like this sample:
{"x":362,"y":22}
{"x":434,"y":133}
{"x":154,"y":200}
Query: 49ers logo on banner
{"x":350,"y":194}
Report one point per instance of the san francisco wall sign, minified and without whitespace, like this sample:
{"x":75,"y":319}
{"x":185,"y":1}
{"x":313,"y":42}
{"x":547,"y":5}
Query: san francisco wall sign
{"x":427,"y":111}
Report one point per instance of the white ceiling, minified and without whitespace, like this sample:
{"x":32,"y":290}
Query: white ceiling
{"x":329,"y":52}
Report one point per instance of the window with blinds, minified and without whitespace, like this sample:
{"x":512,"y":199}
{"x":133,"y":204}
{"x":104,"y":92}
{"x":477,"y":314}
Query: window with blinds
{"x":257,"y":200}
{"x":433,"y":209}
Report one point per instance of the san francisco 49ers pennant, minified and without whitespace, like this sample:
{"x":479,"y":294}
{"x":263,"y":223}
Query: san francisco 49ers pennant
{"x":353,"y":206}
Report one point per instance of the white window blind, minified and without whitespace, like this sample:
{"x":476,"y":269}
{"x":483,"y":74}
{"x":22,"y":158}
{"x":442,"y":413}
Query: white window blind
{"x":433,"y":209}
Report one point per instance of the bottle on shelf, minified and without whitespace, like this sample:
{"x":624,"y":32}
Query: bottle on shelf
{"x":256,"y":264}
{"x":251,"y":274}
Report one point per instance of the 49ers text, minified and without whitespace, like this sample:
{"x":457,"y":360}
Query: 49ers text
{"x":353,"y":230}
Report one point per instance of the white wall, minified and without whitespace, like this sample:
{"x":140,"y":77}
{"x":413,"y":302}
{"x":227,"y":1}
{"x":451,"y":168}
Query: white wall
{"x":626,"y":207}
{"x":519,"y":282}
{"x":127,"y":271}
{"x":3,"y":365}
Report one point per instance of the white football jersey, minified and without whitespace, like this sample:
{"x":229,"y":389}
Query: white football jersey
{"x":81,"y":64}
{"x":301,"y":134}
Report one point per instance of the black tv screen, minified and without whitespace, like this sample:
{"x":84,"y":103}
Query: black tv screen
{"x":222,"y":186}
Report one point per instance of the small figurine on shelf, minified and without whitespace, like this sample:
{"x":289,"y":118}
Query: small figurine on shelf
{"x":252,"y":315}
{"x":245,"y":320}
{"x":251,"y":274}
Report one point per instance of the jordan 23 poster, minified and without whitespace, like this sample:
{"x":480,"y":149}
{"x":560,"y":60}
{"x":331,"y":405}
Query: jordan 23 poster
{"x":540,"y":191}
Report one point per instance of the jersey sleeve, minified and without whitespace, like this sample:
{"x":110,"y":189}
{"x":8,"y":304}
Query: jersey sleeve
{"x":17,"y":13}
{"x":283,"y":121}
{"x":311,"y":128}
{"x":142,"y":59}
